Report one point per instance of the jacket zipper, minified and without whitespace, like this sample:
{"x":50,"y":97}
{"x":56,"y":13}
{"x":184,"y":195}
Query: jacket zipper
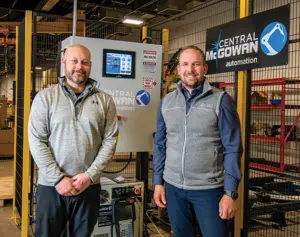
{"x":81,"y":105}
{"x":73,"y":109}
{"x":185,"y":135}
{"x":183,"y":150}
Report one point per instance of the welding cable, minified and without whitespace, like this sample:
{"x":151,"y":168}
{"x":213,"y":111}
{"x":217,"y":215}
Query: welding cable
{"x":118,"y":171}
{"x":154,"y":225}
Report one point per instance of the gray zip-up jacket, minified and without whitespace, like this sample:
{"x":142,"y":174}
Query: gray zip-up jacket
{"x":69,"y":136}
{"x":194,"y":155}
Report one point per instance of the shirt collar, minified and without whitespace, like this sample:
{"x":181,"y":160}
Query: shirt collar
{"x":197,"y":90}
{"x":90,"y":84}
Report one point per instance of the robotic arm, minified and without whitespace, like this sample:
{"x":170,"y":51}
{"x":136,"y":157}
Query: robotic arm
{"x":265,"y":39}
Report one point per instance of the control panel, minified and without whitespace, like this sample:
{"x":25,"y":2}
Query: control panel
{"x":131,"y":73}
{"x":128,"y":191}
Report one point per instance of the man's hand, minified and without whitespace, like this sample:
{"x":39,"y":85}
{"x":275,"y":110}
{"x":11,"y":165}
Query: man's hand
{"x":65,"y":187}
{"x":227,"y":207}
{"x":81,"y":182}
{"x":160,"y":196}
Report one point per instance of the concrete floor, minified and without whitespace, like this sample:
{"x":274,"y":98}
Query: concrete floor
{"x":8,"y":228}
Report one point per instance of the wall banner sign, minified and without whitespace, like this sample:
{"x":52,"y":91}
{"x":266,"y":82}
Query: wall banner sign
{"x":257,"y":41}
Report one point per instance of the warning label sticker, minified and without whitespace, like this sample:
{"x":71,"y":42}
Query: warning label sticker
{"x":148,"y":83}
{"x":150,"y":55}
{"x":149,"y":67}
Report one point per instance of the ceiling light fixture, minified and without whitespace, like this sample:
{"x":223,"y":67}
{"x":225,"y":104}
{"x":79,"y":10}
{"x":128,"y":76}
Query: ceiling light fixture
{"x":132,"y":21}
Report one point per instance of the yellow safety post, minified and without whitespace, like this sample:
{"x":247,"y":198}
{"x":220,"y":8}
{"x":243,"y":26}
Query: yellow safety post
{"x":241,"y":108}
{"x":26,"y":155}
{"x":144,"y":33}
{"x":165,"y":44}
{"x":15,"y":122}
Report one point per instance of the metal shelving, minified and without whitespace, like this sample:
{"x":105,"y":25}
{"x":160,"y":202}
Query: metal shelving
{"x":284,"y":135}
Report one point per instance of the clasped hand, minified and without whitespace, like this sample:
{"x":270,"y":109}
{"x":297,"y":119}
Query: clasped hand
{"x":73,"y":186}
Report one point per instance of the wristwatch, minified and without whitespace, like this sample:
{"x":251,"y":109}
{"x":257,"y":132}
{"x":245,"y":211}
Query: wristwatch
{"x":232,"y":194}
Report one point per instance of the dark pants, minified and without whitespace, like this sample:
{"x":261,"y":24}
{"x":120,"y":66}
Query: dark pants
{"x":183,"y":205}
{"x":53,"y":211}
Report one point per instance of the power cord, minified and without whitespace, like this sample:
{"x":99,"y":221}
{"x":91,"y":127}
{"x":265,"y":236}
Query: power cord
{"x":118,"y":171}
{"x":148,"y":38}
{"x":154,"y":225}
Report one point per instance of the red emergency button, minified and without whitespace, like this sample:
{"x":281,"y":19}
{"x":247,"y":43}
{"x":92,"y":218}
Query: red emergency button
{"x":137,"y":191}
{"x":118,"y":117}
{"x":131,"y":201}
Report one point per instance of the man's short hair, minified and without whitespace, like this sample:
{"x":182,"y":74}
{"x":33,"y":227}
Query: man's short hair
{"x":64,"y":51}
{"x":192,"y":47}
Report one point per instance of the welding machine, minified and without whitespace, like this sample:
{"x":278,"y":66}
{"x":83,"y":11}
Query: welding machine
{"x":121,"y":208}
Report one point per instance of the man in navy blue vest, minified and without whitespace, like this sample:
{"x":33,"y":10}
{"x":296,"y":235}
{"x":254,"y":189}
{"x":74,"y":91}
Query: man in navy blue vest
{"x":197,"y":152}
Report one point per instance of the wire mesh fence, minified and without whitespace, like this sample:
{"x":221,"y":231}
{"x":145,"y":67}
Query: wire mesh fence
{"x":274,"y":197}
{"x":190,"y":29}
{"x":100,"y":30}
{"x":48,"y":32}
{"x":8,"y":40}
{"x":20,"y":120}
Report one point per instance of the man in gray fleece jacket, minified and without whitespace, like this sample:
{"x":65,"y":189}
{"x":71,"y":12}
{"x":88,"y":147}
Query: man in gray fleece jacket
{"x":72,"y":135}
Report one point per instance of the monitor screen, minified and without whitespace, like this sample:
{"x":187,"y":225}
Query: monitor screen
{"x":118,"y":63}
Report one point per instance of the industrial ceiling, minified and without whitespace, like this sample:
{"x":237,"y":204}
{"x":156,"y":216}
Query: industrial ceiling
{"x":106,"y":11}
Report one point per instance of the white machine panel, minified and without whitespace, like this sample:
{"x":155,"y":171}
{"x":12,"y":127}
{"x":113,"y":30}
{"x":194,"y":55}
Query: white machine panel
{"x":131,"y":73}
